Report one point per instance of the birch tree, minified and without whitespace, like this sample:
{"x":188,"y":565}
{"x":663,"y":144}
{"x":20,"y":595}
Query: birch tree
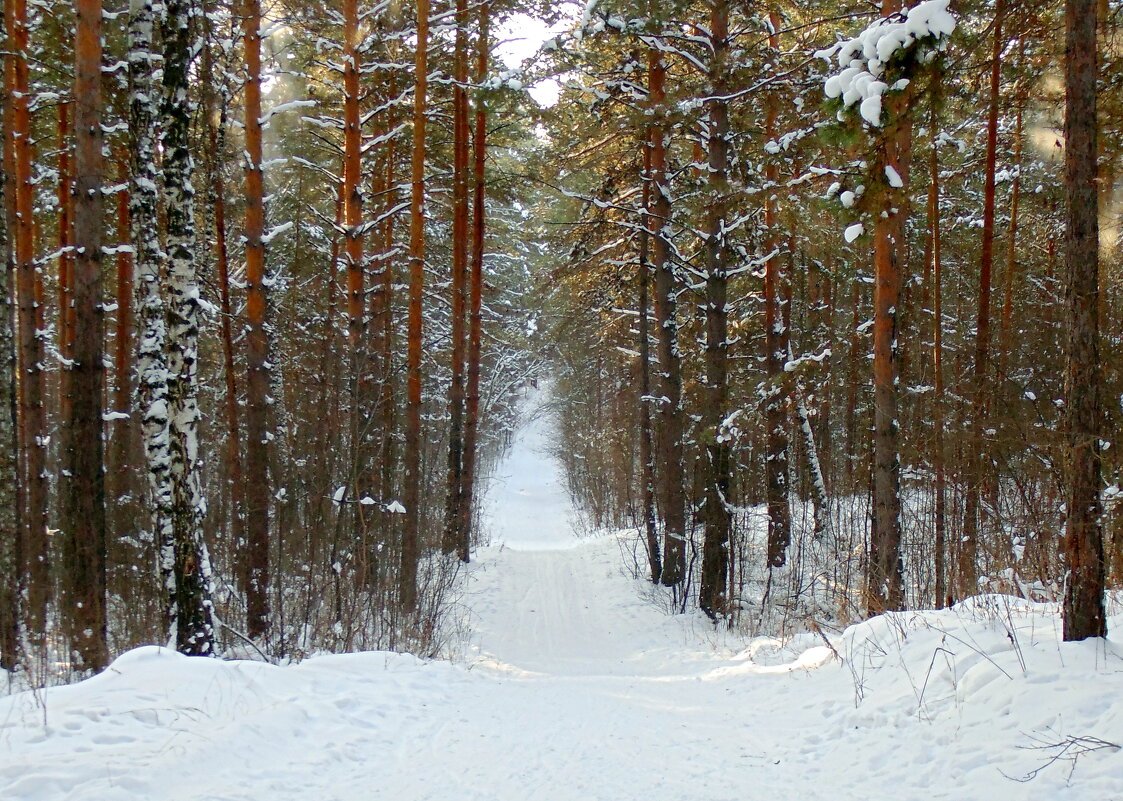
{"x":185,"y":561}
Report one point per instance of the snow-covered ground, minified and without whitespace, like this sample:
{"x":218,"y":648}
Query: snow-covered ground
{"x":574,"y":686}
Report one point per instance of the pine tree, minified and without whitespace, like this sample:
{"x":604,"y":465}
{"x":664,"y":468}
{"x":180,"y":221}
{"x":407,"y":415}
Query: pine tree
{"x":257,"y":346}
{"x":1084,"y":614}
{"x":83,"y":490}
{"x":411,"y":530}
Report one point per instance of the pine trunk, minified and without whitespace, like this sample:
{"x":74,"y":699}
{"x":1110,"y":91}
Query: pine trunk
{"x":65,"y":252}
{"x":475,"y":284}
{"x":257,"y":342}
{"x":777,"y":390}
{"x":454,"y":533}
{"x":11,"y":541}
{"x":884,"y":587}
{"x":646,"y":454}
{"x":672,"y":480}
{"x":713,"y":592}
{"x":411,"y":530}
{"x":216,"y":184}
{"x":1012,"y":242}
{"x":33,"y":423}
{"x":1084,"y":549}
{"x":83,"y":487}
{"x":968,"y":562}
{"x":939,"y":409}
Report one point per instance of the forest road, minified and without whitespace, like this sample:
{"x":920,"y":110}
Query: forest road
{"x":569,"y":681}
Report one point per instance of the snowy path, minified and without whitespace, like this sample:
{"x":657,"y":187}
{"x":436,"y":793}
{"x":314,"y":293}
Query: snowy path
{"x":573,"y":687}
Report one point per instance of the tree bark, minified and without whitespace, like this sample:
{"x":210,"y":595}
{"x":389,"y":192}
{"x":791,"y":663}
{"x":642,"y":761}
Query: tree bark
{"x":939,"y":409}
{"x":475,"y":284}
{"x":884,"y":586}
{"x":152,"y":373}
{"x":66,"y":255}
{"x":184,"y":559}
{"x":33,"y":423}
{"x":776,"y":336}
{"x":672,"y":480}
{"x":1012,"y":239}
{"x":1084,"y":550}
{"x":455,"y":534}
{"x":980,"y":406}
{"x":257,"y":342}
{"x":11,"y":540}
{"x":216,"y":139}
{"x":410,"y":553}
{"x":646,"y":454}
{"x":713,"y":592}
{"x":83,"y":486}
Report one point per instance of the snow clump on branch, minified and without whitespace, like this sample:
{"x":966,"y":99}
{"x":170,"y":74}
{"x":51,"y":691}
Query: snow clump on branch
{"x":862,"y":78}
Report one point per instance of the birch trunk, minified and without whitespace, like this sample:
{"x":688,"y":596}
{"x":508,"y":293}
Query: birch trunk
{"x":184,"y":558}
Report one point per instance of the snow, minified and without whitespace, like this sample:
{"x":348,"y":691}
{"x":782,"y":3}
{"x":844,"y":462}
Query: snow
{"x":574,"y":683}
{"x":861,"y":61}
{"x":528,"y":507}
{"x":854,"y":231}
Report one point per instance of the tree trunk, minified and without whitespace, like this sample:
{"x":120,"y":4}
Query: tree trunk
{"x":257,"y":343}
{"x":1012,"y":241}
{"x":475,"y":289}
{"x":184,"y":559}
{"x":968,"y":562}
{"x":33,"y":423}
{"x":66,"y":255}
{"x":352,"y":180}
{"x":884,"y":589}
{"x":11,"y":541}
{"x":672,"y":480}
{"x":83,"y":487}
{"x":777,"y":390}
{"x":121,"y":436}
{"x":454,"y":533}
{"x":411,"y":530}
{"x":939,"y":410}
{"x":216,"y":181}
{"x":152,"y":388}
{"x":713,"y":592}
{"x":1084,"y":550}
{"x":646,"y":455}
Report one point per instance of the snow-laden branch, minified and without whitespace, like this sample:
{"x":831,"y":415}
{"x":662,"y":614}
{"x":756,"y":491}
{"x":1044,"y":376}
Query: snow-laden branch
{"x":862,"y":60}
